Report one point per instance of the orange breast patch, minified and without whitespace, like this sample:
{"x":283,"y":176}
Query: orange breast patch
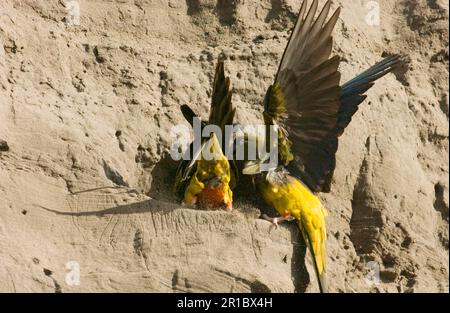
{"x":211,"y":198}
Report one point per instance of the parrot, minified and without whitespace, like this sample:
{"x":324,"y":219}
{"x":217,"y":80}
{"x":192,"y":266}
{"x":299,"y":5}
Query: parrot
{"x":310,"y":109}
{"x":208,"y":182}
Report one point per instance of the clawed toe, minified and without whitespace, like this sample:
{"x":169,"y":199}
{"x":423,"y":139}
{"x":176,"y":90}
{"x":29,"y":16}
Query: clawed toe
{"x":273,"y":220}
{"x":277,"y":220}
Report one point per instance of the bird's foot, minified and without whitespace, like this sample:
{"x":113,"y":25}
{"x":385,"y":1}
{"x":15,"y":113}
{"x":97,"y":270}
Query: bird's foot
{"x":277,"y":220}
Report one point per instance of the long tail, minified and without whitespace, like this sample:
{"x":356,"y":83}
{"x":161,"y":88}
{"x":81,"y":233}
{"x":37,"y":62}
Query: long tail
{"x":321,"y":277}
{"x":353,"y":91}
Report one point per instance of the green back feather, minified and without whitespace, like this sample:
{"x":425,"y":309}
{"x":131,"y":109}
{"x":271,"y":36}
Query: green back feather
{"x":274,"y":110}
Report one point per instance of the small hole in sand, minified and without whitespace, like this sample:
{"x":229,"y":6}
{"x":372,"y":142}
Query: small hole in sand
{"x":47,"y":272}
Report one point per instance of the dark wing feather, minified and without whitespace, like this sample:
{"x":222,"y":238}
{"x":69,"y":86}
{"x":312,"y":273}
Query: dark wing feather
{"x":315,"y":109}
{"x":186,"y":168}
{"x":316,"y":161}
{"x":310,"y":83}
{"x":221,"y":114}
{"x":189,"y":115}
{"x":352,"y":93}
{"x":222,"y":111}
{"x":310,"y":43}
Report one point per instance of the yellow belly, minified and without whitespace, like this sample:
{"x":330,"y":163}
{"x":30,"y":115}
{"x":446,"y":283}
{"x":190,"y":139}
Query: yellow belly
{"x":292,"y":198}
{"x":295,"y":199}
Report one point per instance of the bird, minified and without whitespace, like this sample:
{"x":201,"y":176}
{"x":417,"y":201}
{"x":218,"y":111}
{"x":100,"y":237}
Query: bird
{"x":310,"y":109}
{"x":207,"y":182}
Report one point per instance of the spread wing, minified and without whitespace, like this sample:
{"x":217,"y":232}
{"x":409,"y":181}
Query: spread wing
{"x":221,"y":114}
{"x":307,"y":101}
{"x":186,"y":169}
{"x":222,"y":111}
{"x":309,"y":82}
